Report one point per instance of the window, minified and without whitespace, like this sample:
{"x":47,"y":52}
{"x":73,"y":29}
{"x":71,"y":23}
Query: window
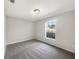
{"x":50,"y":29}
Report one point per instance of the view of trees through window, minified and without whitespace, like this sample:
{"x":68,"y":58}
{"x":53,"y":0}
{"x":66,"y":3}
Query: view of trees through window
{"x":50,"y":29}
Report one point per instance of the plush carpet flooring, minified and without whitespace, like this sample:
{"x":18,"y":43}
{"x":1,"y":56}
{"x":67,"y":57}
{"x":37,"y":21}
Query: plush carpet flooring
{"x":35,"y":49}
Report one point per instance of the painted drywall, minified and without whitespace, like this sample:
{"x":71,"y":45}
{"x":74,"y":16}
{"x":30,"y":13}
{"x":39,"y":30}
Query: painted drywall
{"x":65,"y":34}
{"x":17,"y":30}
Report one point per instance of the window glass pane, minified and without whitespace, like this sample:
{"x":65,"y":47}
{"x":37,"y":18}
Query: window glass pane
{"x":50,"y":29}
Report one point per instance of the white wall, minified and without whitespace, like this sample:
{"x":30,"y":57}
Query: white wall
{"x":65,"y":35}
{"x":17,"y":30}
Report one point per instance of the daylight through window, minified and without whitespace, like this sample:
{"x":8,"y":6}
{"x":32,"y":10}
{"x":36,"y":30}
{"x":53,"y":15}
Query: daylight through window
{"x":50,"y":29}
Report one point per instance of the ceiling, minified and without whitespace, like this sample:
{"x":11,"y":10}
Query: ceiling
{"x":24,"y":8}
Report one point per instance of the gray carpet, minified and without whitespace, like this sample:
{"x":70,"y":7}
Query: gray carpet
{"x":35,"y":49}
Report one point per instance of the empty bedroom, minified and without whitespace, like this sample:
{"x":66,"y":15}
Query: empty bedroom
{"x":39,"y":29}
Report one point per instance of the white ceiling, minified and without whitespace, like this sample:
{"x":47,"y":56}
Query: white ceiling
{"x":24,"y":8}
